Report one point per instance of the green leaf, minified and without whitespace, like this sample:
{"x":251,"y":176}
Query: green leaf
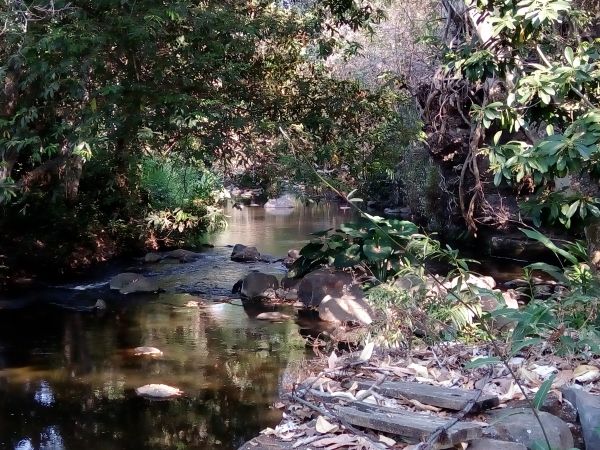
{"x":553,"y":271}
{"x":573,"y":208}
{"x":480,"y":362}
{"x":376,"y":251}
{"x":521,"y":344}
{"x":348,"y":258}
{"x":542,"y":392}
{"x":536,"y":235}
{"x":569,"y":55}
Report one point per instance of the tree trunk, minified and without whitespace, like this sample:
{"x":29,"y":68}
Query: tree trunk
{"x":592,"y":234}
{"x":73,"y":171}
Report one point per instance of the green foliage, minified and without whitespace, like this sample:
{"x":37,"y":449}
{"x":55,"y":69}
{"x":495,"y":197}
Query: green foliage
{"x":382,"y":246}
{"x":569,"y":316}
{"x":544,"y":112}
{"x":97,"y":95}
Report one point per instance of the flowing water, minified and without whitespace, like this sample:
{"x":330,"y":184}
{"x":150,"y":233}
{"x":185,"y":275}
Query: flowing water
{"x":67,"y":375}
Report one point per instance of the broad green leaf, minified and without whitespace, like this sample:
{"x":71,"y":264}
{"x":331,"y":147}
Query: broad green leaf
{"x":376,"y":251}
{"x":553,"y":271}
{"x":569,"y":55}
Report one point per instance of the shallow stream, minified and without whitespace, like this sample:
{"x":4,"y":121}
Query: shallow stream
{"x":67,"y":376}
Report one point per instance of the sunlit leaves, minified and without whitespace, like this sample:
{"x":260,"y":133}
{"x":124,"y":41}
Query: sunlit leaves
{"x":541,"y":12}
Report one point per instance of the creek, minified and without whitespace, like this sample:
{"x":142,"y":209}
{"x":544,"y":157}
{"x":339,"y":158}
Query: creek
{"x":67,"y":375}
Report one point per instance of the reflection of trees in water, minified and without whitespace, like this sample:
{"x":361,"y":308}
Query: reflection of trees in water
{"x":230,"y":374}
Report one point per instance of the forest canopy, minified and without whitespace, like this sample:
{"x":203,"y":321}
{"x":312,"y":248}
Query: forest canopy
{"x":100,"y":97}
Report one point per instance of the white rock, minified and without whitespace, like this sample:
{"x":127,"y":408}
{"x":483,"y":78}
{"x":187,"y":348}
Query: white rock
{"x":158,"y":391}
{"x":147,"y":351}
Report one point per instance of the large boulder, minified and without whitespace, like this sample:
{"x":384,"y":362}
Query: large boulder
{"x":129,"y":283}
{"x":313,"y":288}
{"x":256,"y":285}
{"x":346,"y":308}
{"x":286,"y":201}
{"x":152,"y":258}
{"x":242,"y":253}
{"x":520,"y":425}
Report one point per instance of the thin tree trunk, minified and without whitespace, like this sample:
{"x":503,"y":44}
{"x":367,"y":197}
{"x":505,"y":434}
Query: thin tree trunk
{"x":592,"y":234}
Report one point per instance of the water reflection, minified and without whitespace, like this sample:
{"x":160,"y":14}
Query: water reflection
{"x":275,"y":231}
{"x":44,"y":395}
{"x":68,"y":382}
{"x":67,"y":378}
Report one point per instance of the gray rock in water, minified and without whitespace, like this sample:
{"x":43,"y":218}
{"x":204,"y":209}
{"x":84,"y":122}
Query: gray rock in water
{"x":285,"y":201}
{"x":147,"y":351}
{"x":256,"y":285}
{"x":588,"y":409}
{"x":128,"y":283}
{"x":152,"y":258}
{"x":242,"y":253}
{"x":182,"y":255}
{"x":520,"y":425}
{"x":100,"y":304}
{"x":313,"y":288}
{"x":158,"y":391}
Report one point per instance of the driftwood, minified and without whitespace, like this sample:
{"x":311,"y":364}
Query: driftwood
{"x":411,"y":425}
{"x":447,"y":398}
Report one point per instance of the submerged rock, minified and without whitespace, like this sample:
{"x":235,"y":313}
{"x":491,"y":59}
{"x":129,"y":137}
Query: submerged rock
{"x":182,"y":255}
{"x":158,"y":391}
{"x":285,"y":201}
{"x":274,"y":316}
{"x":128,"y":283}
{"x":147,"y":351}
{"x":242,"y":253}
{"x":100,"y":304}
{"x":152,"y":258}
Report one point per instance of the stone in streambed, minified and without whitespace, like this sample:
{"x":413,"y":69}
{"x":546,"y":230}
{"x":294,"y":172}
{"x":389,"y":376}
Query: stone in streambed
{"x":152,"y":258}
{"x":346,"y":308}
{"x":286,"y":201}
{"x":128,"y":283}
{"x":493,"y":444}
{"x":520,"y":425}
{"x":243,"y":253}
{"x":313,"y":288}
{"x":158,"y":391}
{"x":182,"y":255}
{"x":147,"y":351}
{"x":588,"y":410}
{"x":274,"y":316}
{"x":256,"y":285}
